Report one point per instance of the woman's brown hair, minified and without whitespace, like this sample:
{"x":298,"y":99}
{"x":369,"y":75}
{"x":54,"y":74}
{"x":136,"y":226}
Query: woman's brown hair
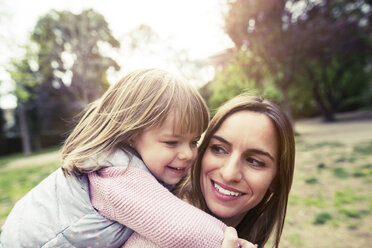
{"x":269,"y":214}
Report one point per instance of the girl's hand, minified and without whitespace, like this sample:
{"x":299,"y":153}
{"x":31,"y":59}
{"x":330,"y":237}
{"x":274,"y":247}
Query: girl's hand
{"x":231,"y":240}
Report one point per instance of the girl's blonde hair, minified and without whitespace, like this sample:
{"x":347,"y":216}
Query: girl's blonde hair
{"x":269,"y":215}
{"x":140,"y":100}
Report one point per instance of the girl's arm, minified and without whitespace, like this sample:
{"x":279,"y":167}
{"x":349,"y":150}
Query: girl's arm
{"x":137,"y":240}
{"x":231,"y":240}
{"x":136,"y":199}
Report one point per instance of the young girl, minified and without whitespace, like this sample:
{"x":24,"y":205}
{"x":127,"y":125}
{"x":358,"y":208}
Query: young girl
{"x":146,"y":125}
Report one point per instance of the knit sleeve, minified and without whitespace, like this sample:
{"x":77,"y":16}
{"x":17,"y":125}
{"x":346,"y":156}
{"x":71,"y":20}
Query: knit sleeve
{"x":136,"y":199}
{"x":137,"y":240}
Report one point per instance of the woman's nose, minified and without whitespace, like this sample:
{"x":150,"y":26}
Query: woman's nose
{"x":230,"y":171}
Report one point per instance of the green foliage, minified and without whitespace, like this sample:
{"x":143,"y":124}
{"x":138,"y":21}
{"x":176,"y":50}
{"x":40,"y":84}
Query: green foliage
{"x":294,"y":199}
{"x":319,"y":202}
{"x":270,"y":91}
{"x":295,"y":240}
{"x":311,"y":180}
{"x":64,"y":68}
{"x":347,"y":196}
{"x":345,"y":159}
{"x":340,"y":172}
{"x":351,"y":212}
{"x":321,"y":166}
{"x":243,"y":73}
{"x":71,"y":43}
{"x":322,"y":218}
{"x":335,"y":202}
{"x":317,"y":57}
{"x":365,"y":148}
{"x":227,"y":84}
{"x":2,"y":132}
{"x":24,"y":75}
{"x":302,"y":99}
{"x":321,"y":145}
{"x":363,"y":171}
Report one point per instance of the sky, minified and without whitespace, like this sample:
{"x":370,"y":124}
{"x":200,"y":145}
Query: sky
{"x":194,"y":26}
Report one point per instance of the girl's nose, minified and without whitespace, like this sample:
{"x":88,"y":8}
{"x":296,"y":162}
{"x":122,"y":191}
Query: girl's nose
{"x":230,"y":171}
{"x":186,"y":153}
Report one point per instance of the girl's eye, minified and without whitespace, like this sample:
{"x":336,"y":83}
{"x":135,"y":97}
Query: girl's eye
{"x":194,"y":143}
{"x":254,"y":162}
{"x":171,"y":143}
{"x":216,"y":149}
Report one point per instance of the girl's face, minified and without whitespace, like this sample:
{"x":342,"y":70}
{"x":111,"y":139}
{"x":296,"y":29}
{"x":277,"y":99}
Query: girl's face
{"x":239,"y":165}
{"x":167,"y":155}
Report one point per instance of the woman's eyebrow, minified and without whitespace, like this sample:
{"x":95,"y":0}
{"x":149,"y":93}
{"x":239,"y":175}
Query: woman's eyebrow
{"x":261,"y":152}
{"x":221,"y":139}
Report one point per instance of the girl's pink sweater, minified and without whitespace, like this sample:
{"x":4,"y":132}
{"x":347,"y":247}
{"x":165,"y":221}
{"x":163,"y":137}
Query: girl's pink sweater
{"x":134,"y":198}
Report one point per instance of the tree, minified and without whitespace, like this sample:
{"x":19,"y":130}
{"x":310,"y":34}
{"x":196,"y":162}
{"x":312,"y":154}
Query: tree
{"x":242,"y":72}
{"x":25,"y":80}
{"x":258,"y":27}
{"x":62,"y":71}
{"x":297,"y":39}
{"x":337,"y":53}
{"x":2,"y":120}
{"x":71,"y":65}
{"x":2,"y":134}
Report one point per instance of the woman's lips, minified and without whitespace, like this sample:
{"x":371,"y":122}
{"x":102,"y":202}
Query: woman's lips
{"x":225,"y":193}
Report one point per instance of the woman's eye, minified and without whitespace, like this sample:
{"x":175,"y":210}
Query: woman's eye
{"x":255,"y":162}
{"x":216,"y":149}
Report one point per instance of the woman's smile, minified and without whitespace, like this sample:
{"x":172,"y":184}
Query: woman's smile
{"x":224,"y":192}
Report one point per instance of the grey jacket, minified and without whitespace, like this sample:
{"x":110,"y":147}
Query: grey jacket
{"x":58,"y":213}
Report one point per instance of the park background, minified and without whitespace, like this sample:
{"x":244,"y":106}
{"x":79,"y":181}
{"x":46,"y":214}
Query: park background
{"x":312,"y":57}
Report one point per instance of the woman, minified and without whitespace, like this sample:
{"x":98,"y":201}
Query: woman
{"x":244,"y":171}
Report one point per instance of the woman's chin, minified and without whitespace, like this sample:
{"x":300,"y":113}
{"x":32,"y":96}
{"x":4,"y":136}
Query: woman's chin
{"x":222,"y":215}
{"x":230,"y":219}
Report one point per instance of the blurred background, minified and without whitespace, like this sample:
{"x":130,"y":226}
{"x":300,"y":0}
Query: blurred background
{"x":312,"y":57}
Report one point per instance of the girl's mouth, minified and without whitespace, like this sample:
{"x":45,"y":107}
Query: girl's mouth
{"x":177,"y":170}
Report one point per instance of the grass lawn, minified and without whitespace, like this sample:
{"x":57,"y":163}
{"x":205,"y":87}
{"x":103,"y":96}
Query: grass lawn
{"x":330,"y":204}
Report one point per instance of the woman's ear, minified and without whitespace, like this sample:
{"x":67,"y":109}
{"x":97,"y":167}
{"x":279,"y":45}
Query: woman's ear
{"x":273,"y":185}
{"x":271,"y":188}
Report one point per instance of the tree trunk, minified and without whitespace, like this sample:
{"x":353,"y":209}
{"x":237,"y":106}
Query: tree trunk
{"x":327,"y":113}
{"x":328,"y":94}
{"x":26,"y":144}
{"x":36,"y":141}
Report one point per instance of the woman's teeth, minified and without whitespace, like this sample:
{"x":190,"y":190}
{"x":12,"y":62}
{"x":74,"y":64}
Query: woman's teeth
{"x":225,"y":191}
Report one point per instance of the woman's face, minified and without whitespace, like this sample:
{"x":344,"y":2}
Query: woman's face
{"x":239,"y":165}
